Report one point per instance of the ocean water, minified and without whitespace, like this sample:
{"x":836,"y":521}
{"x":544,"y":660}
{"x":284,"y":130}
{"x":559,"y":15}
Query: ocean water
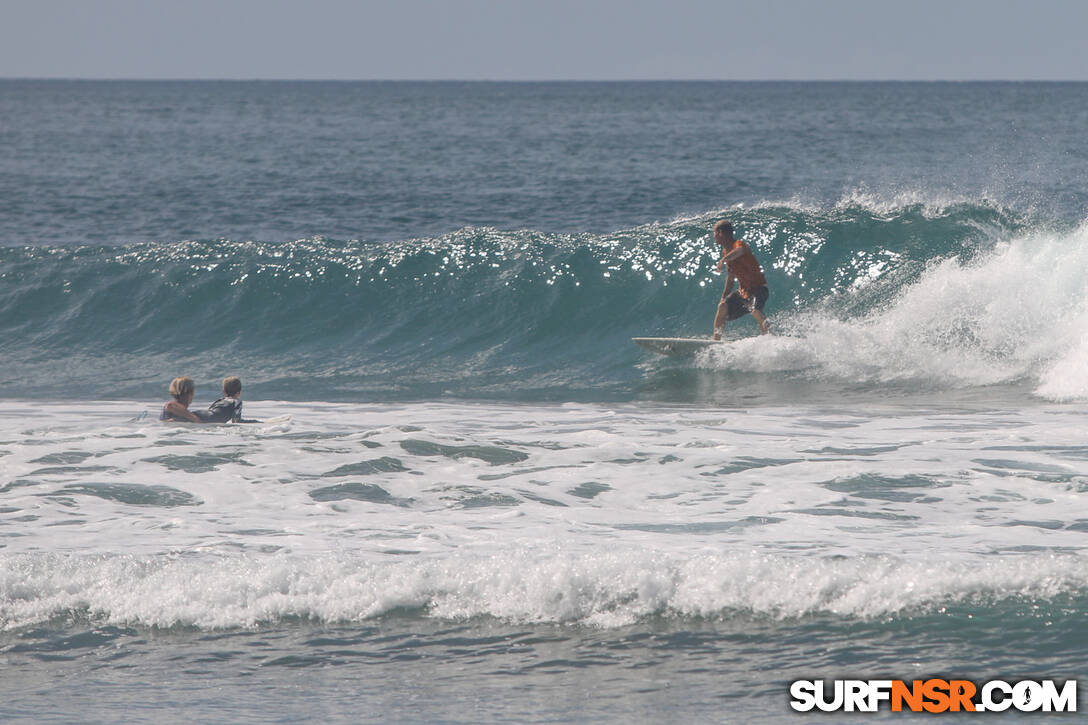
{"x":472,"y":498}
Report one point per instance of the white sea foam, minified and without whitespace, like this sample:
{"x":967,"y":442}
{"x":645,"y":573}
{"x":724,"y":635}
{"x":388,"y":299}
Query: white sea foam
{"x":570,"y":513}
{"x":614,"y":586}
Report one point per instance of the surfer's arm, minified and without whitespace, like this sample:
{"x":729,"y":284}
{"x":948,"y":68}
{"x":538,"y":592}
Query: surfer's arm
{"x":730,"y":256}
{"x":178,"y":410}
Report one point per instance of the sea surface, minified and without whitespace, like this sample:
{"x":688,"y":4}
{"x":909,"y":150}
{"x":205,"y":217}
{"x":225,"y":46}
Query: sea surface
{"x":469,"y":498}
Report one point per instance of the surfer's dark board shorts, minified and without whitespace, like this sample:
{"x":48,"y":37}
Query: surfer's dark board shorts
{"x":739,"y":306}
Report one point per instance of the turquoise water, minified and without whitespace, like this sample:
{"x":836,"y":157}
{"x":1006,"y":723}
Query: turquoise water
{"x":476,"y":500}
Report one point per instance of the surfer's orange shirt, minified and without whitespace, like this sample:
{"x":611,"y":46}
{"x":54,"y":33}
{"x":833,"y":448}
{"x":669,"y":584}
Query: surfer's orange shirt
{"x":746,"y":269}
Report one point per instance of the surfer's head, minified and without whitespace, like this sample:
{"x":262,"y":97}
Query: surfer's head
{"x":182,"y":388}
{"x":723,"y":232}
{"x":232,"y":387}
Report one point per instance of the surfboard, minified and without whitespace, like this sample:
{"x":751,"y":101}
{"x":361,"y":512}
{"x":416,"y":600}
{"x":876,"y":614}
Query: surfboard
{"x":275,"y":419}
{"x":677,"y":346}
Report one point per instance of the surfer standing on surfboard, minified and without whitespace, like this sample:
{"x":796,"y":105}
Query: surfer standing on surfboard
{"x":744,"y":269}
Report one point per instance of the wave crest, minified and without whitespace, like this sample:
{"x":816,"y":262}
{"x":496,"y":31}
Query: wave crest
{"x":950,"y":290}
{"x":607,"y":589}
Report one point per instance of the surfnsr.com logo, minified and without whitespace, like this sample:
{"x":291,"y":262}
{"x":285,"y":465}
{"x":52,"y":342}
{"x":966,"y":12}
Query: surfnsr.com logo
{"x":933,"y":695}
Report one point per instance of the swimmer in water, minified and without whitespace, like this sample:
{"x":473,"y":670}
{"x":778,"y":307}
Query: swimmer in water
{"x":229,"y":407}
{"x":177,"y":410}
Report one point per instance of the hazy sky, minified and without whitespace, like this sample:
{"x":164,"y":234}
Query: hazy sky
{"x":545,"y":39}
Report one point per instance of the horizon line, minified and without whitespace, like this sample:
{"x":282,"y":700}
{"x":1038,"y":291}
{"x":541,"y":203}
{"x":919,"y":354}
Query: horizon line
{"x":184,"y":79}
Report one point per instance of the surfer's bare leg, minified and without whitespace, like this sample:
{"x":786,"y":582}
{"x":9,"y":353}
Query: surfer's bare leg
{"x":761,"y":320}
{"x":719,"y":319}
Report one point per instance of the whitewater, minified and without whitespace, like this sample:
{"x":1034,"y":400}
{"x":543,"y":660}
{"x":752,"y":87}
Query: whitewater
{"x":344,"y":535}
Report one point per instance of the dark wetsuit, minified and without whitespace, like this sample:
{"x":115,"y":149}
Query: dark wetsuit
{"x":223,"y":410}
